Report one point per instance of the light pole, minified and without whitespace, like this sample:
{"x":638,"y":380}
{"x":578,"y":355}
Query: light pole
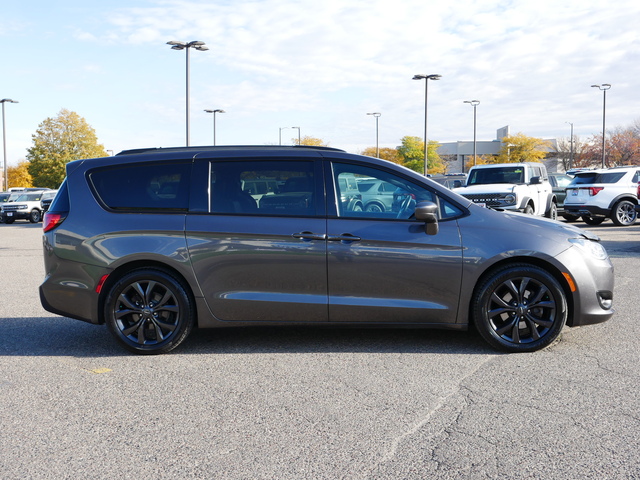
{"x":217,"y":110}
{"x":426,"y":92}
{"x":186,"y":46}
{"x":571,"y":147}
{"x":4,"y":142}
{"x":280,"y":134}
{"x":604,"y":87}
{"x":377,"y":116}
{"x":474,"y":104}
{"x":299,"y":139}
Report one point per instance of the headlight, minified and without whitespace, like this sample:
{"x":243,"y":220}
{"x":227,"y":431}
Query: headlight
{"x":510,"y":198}
{"x":594,"y":249}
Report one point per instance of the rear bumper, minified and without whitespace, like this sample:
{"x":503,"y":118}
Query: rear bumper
{"x":589,"y":210}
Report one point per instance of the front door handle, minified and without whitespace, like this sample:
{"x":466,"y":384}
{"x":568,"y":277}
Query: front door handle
{"x":345,"y":238}
{"x":309,"y":236}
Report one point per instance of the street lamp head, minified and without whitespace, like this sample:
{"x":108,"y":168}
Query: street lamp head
{"x":217,"y":110}
{"x":375,"y":114}
{"x":604,"y":86}
{"x":8,"y":100}
{"x":434,"y":76}
{"x":472,"y":102}
{"x":198,"y":45}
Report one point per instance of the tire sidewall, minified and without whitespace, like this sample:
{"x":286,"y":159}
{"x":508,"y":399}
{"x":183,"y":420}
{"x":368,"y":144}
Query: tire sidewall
{"x":496,"y":278}
{"x":183,"y":299}
{"x":616,"y":212}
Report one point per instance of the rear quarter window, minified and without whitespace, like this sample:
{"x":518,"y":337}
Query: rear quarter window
{"x":143,"y":187}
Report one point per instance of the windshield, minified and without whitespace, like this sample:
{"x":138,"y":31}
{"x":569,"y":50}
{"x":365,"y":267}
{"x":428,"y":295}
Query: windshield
{"x":485,"y":176}
{"x":29,"y":197}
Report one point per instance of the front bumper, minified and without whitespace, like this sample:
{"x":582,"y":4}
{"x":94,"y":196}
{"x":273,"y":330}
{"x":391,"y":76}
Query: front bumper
{"x":16,"y":215}
{"x":594,"y":281}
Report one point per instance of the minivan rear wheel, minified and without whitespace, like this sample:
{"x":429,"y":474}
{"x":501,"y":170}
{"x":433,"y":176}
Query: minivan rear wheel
{"x":519,"y":308}
{"x":149,"y":311}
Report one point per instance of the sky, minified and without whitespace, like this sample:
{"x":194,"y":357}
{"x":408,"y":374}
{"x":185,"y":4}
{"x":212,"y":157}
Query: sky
{"x":320,"y":65}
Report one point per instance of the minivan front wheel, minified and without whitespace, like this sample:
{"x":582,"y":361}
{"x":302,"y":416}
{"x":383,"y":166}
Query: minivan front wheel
{"x":519,"y":308}
{"x":624,"y":213}
{"x":149,"y":311}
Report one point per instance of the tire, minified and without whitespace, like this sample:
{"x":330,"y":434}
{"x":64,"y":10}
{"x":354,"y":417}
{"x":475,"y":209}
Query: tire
{"x":592,"y":220}
{"x":35,"y":216}
{"x":553,"y":212}
{"x":149,"y":311}
{"x":519,"y":308}
{"x":624,"y":213}
{"x":570,"y":218}
{"x":374,"y":207}
{"x":528,"y":210}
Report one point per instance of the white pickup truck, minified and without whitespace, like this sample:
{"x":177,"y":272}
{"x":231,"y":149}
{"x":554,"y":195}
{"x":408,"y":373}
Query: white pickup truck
{"x":522,"y":187}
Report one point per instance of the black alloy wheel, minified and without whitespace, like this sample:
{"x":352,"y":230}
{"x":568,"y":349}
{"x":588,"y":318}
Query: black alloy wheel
{"x":520,"y":308}
{"x":149,"y":311}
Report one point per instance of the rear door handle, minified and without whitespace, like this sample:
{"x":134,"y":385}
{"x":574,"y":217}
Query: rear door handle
{"x":345,"y":238}
{"x":309,"y":236}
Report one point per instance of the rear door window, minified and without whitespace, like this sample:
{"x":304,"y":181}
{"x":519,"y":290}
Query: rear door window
{"x":263,"y":188}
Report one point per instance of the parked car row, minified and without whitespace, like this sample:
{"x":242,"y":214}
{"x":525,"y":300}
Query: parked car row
{"x":596,"y":195}
{"x":25,"y":204}
{"x":592,"y":195}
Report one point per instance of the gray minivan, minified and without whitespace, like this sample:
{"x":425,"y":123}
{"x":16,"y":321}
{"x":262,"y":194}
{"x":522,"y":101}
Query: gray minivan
{"x":153,"y":242}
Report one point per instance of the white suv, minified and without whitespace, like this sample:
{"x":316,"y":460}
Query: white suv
{"x":596,"y":195}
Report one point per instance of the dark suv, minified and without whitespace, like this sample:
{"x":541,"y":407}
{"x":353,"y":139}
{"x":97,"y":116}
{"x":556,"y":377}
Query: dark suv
{"x":153,"y":242}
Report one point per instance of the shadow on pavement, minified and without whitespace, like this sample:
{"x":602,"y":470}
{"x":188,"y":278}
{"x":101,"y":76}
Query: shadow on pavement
{"x":47,"y":336}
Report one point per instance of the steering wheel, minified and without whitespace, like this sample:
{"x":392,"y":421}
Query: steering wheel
{"x":405,"y":206}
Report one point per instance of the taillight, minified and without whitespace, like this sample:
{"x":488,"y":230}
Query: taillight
{"x":52,"y":220}
{"x":593,"y":191}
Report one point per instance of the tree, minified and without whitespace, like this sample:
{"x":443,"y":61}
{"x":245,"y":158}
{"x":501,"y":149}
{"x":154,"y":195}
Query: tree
{"x":19,"y":176}
{"x":481,"y":160}
{"x":623,"y":148}
{"x":390,"y":154}
{"x":564,"y":152}
{"x":521,"y":148}
{"x":58,"y":141}
{"x":412,"y":153}
{"x":311,"y":141}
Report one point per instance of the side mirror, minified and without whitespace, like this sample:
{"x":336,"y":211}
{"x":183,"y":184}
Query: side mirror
{"x":457,"y":184}
{"x":535,"y":180}
{"x":427,"y":212}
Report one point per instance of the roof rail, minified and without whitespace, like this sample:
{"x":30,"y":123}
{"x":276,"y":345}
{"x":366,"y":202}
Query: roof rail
{"x":138,"y":151}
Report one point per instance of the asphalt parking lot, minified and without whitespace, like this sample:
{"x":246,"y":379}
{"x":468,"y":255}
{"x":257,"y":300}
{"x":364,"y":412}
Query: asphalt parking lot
{"x":297,"y":403}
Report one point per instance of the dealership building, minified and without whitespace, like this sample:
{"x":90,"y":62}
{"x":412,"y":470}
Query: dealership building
{"x":457,"y":154}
